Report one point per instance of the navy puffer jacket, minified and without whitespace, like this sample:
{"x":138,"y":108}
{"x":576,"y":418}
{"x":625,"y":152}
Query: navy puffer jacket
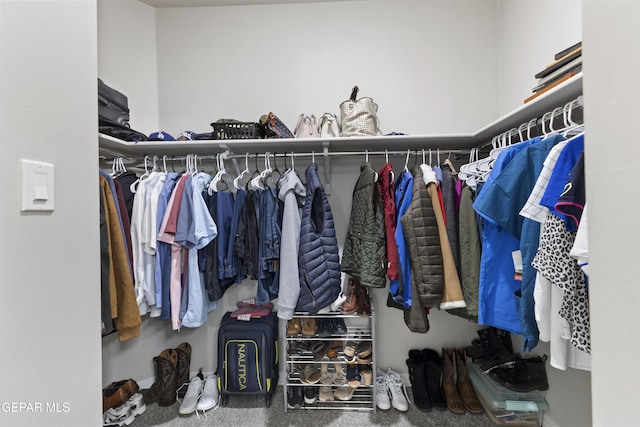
{"x":318,"y":259}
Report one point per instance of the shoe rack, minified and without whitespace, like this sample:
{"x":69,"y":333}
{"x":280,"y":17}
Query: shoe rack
{"x":307,"y":355}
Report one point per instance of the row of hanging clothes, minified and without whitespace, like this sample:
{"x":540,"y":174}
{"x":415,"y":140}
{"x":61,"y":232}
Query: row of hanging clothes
{"x":185,"y":237}
{"x":530,"y":201}
{"x":416,"y":238}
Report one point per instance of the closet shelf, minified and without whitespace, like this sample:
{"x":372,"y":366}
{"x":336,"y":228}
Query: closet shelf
{"x":555,"y":97}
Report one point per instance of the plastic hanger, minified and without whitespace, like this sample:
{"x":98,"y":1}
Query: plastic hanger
{"x":572,"y":128}
{"x":406,"y":161}
{"x":386,"y":160}
{"x":449,"y":163}
{"x":134,"y":185}
{"x":236,"y":181}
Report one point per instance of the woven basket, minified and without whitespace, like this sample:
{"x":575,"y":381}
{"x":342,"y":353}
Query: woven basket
{"x":237,"y":130}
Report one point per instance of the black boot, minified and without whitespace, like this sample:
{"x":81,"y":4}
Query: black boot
{"x":523,"y":375}
{"x":433,"y":370}
{"x":490,"y":350}
{"x":418,"y":377}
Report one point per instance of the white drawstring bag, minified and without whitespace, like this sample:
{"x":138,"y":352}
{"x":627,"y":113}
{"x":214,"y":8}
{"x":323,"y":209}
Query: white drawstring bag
{"x":328,"y":126}
{"x":307,"y":127}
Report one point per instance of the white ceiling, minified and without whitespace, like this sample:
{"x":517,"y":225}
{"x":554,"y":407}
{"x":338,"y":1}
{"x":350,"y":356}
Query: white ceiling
{"x":203,"y":3}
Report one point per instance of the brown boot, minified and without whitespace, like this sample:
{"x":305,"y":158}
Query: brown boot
{"x":465,"y":388}
{"x":163,"y":390}
{"x":350,"y":305}
{"x":183,"y":368}
{"x":363,"y":301}
{"x":454,"y":402}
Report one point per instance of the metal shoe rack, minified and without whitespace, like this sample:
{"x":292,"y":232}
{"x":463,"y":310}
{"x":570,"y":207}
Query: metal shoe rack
{"x":359,"y":329}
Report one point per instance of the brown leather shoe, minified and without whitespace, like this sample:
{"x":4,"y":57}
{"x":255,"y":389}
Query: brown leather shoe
{"x":363,"y":301}
{"x":294,"y":327}
{"x":309,"y":327}
{"x":116,"y":393}
{"x":350,"y":305}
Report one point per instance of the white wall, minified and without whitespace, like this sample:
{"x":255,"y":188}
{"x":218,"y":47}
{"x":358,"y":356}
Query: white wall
{"x":531,"y":32}
{"x":127,"y":57}
{"x":235,"y":62}
{"x":50,"y":306}
{"x":430,"y":65}
{"x":612,"y":100}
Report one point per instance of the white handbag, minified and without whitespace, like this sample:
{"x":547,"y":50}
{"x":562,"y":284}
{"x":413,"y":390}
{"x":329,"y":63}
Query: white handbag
{"x":359,"y":117}
{"x":328,"y":126}
{"x":307,"y":127}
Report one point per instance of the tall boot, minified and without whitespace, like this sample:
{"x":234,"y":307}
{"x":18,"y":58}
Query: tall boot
{"x":350,"y":305}
{"x":433,"y":372}
{"x":363,"y":301}
{"x":454,"y":402}
{"x":163,"y":390}
{"x":418,"y":377}
{"x":183,"y":368}
{"x":465,"y":388}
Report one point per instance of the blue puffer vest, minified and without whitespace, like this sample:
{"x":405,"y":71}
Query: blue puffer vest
{"x":318,"y":259}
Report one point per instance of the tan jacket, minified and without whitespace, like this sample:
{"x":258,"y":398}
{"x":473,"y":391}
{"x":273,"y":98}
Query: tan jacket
{"x":124,"y":308}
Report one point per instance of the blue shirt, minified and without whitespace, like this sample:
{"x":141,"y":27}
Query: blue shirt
{"x":567,"y":159}
{"x":495,"y":292}
{"x":501,"y":204}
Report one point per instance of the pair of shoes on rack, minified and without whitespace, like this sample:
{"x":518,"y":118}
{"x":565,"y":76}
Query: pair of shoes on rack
{"x":201,"y":395}
{"x":390,"y":391}
{"x":355,"y":352}
{"x":295,"y":396}
{"x":125,"y":413}
{"x":326,"y":327}
{"x":357,"y":299}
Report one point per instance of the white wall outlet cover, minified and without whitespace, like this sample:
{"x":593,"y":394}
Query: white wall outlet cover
{"x":37,"y":186}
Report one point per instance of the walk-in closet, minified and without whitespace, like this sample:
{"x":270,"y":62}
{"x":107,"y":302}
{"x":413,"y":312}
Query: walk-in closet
{"x":451,"y":75}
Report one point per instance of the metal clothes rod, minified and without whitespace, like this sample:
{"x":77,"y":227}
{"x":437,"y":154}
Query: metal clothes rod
{"x":289,"y":154}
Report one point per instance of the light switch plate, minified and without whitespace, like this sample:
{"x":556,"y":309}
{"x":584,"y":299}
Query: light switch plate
{"x":37,"y":186}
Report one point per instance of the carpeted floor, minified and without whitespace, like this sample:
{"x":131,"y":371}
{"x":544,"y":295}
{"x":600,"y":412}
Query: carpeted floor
{"x":250,"y":411}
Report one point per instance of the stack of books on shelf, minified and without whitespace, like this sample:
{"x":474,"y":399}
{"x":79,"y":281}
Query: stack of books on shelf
{"x":567,"y":63}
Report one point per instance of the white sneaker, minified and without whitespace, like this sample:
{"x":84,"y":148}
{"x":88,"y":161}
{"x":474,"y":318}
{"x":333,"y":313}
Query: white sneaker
{"x":210,"y":395}
{"x":190,"y":399}
{"x":396,"y":388}
{"x":136,"y":404}
{"x":118,"y":416}
{"x":382,"y":391}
